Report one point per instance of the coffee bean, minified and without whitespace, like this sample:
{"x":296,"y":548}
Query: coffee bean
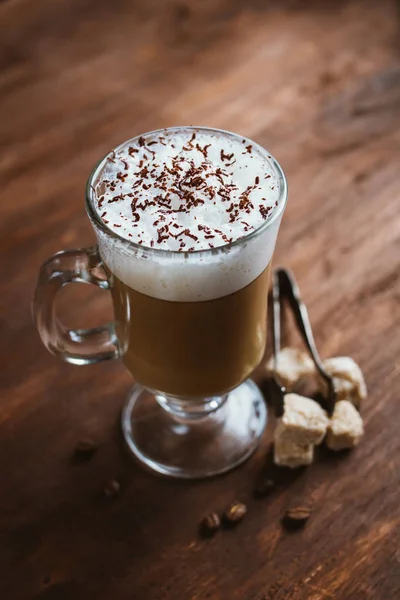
{"x":85,"y":449}
{"x":112,"y":489}
{"x":235,"y":512}
{"x":210,"y":523}
{"x":264,"y":487}
{"x":297,"y":517}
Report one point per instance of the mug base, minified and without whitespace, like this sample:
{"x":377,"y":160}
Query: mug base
{"x":194,"y":449}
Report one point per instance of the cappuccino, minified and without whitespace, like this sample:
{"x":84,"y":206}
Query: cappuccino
{"x":190,"y":219}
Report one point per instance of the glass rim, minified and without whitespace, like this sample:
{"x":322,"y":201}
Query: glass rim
{"x":276,"y":214}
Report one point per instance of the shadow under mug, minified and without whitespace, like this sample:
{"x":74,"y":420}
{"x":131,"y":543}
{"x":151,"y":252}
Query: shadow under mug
{"x":193,"y":412}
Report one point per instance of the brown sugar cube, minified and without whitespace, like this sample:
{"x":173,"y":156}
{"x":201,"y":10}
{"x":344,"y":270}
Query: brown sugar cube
{"x":348,"y":379}
{"x":303,"y":422}
{"x":289,"y":454}
{"x":293,"y":366}
{"x":345,"y":428}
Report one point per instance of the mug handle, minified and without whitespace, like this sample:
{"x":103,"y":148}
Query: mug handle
{"x":76,"y":346}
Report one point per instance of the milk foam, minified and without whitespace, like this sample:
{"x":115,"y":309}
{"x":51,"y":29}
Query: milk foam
{"x":184,"y":190}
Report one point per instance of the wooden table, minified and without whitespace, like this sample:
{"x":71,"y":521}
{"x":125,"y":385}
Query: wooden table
{"x":318,"y":83}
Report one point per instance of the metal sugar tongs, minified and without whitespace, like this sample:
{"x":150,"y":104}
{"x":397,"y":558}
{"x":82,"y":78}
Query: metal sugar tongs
{"x":284,"y":287}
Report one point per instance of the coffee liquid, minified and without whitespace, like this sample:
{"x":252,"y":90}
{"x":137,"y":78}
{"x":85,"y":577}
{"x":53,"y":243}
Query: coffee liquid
{"x":194,"y":349}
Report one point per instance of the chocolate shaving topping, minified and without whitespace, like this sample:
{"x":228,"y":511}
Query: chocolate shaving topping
{"x":187,"y":180}
{"x":225,"y":156}
{"x":264,"y":211}
{"x":116,"y":198}
{"x":203,"y":150}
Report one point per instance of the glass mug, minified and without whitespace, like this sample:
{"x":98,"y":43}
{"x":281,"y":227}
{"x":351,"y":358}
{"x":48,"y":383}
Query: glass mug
{"x":193,"y":412}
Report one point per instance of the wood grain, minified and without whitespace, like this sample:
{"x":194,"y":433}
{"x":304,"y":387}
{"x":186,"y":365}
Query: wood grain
{"x":318,"y":83}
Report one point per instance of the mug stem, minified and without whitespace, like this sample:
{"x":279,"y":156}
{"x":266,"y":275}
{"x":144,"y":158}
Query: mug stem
{"x":209,"y":437}
{"x":184,"y":409}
